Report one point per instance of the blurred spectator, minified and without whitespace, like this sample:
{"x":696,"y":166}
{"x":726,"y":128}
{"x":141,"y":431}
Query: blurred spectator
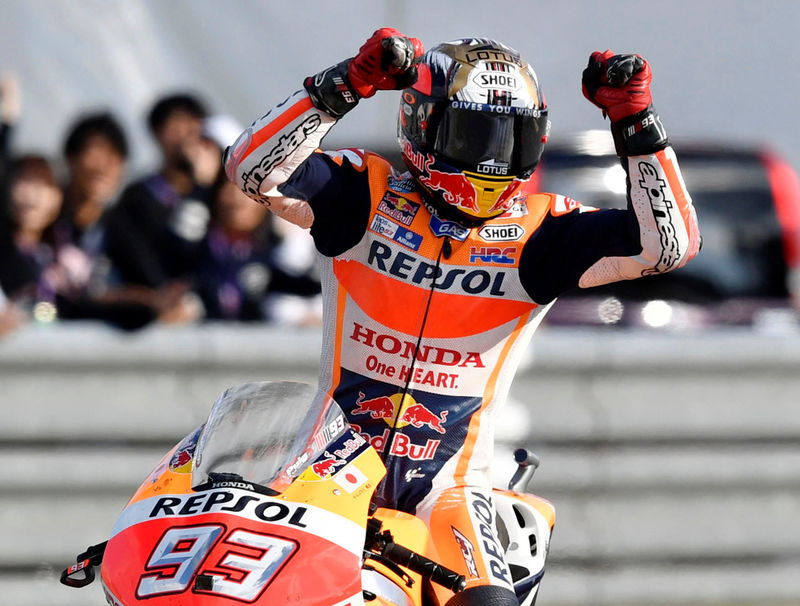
{"x":234,"y":271}
{"x":26,"y":240}
{"x":95,"y":150}
{"x":10,"y":107}
{"x":155,"y":231}
{"x":295,"y":288}
{"x":247,"y":271}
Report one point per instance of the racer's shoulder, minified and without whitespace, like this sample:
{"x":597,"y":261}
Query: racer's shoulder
{"x":358,"y":158}
{"x":563,"y":205}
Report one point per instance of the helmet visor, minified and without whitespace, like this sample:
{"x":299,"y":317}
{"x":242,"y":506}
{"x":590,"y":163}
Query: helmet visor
{"x":498,"y":140}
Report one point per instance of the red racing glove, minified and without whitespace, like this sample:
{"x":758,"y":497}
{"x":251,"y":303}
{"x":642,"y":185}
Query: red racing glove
{"x":617,"y":84}
{"x":620,"y":86}
{"x":387,"y":61}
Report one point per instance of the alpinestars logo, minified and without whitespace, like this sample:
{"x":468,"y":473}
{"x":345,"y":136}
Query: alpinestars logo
{"x":287,"y":144}
{"x":655,"y":188}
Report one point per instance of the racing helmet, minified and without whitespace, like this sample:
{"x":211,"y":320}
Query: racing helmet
{"x":473,"y":127}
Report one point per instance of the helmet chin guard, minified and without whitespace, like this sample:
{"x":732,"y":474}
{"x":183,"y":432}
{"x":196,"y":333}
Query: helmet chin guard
{"x":473,"y":127}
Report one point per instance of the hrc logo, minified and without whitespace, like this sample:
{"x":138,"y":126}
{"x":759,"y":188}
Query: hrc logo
{"x":492,"y":254}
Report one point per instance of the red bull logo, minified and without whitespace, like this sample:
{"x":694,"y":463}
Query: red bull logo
{"x":327,"y":466}
{"x":381,"y":407}
{"x":407,"y":411}
{"x":402,"y":446}
{"x":398,"y":208}
{"x":455,"y":188}
{"x":506,"y":199}
{"x":418,"y":415}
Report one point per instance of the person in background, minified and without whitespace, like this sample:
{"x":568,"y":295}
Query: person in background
{"x":10,"y":107}
{"x":155,"y":231}
{"x":243,"y":273}
{"x":26,"y":241}
{"x":234,"y":269}
{"x":296,"y":291}
{"x":95,"y":151}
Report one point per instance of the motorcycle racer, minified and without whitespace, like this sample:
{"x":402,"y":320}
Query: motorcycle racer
{"x":435,"y":279}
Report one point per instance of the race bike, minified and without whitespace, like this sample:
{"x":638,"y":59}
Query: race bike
{"x":269,"y":502}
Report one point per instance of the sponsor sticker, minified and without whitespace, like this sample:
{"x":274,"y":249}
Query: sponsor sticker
{"x":181,"y":460}
{"x":482,"y":514}
{"x":398,"y":233}
{"x":327,"y":466}
{"x":508,"y":232}
{"x":441,"y":228}
{"x":404,"y":186}
{"x":398,"y":208}
{"x":408,"y":238}
{"x":504,"y":255}
{"x":350,"y":478}
{"x":564,"y":204}
{"x":410,"y":411}
{"x":519,"y":208}
{"x":467,"y":280}
{"x":467,"y":551}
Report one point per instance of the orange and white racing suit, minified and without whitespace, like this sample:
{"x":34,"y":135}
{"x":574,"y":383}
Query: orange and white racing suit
{"x":425,"y":321}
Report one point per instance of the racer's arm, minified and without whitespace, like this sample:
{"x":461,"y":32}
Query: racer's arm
{"x":274,"y":161}
{"x":657,"y":233}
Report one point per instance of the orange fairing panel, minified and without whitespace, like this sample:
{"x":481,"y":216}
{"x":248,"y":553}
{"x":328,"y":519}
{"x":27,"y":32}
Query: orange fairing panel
{"x":220,"y":545}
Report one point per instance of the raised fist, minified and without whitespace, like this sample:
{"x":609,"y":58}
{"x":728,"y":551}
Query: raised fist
{"x":617,"y":84}
{"x":387,"y":61}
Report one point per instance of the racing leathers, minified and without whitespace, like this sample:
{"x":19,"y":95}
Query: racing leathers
{"x":425,"y":320}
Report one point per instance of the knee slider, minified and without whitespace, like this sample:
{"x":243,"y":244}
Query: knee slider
{"x":484,"y":595}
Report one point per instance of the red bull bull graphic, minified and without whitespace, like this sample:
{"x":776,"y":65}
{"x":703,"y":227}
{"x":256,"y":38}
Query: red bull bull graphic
{"x":506,"y":199}
{"x":327,"y":466}
{"x":381,"y":407}
{"x":407,"y":411}
{"x":181,"y":460}
{"x":456,"y":189}
{"x":418,"y":415}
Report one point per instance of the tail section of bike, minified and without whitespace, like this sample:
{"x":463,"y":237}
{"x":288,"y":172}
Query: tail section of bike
{"x":525,"y":524}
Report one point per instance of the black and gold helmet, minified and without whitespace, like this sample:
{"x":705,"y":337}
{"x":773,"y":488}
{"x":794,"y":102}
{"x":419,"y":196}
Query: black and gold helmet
{"x":473,"y":126}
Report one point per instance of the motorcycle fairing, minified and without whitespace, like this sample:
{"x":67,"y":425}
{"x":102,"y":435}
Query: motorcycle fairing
{"x":220,"y":539}
{"x":224,"y":544}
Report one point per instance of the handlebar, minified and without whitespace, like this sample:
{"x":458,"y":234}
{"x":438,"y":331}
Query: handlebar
{"x":383,"y":544}
{"x":426,"y":567}
{"x":527,"y":462}
{"x":93,"y":556}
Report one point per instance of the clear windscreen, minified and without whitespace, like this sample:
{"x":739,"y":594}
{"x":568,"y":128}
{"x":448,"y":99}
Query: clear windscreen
{"x":266,"y":433}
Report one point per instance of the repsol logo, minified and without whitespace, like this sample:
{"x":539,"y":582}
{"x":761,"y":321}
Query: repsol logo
{"x":224,"y":501}
{"x":655,"y":188}
{"x":412,"y":269}
{"x":287,"y":144}
{"x":483,"y":513}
